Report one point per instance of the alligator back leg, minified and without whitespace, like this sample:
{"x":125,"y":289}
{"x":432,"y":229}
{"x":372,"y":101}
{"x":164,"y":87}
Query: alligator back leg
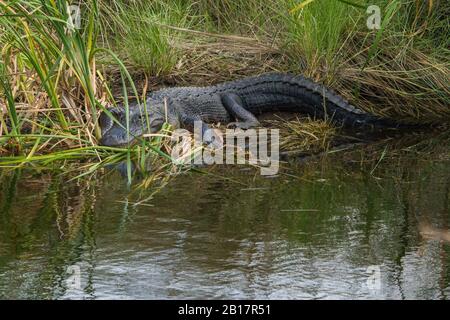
{"x":234,"y":105}
{"x":286,"y":92}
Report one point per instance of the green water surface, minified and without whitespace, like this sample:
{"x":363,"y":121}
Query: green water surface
{"x":316,"y":231}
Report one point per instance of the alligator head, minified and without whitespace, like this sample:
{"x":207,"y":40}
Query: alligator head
{"x":114,"y":131}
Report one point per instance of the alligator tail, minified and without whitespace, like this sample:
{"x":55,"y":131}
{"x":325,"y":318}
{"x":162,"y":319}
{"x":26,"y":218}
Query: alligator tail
{"x":341,"y":112}
{"x":319,"y":101}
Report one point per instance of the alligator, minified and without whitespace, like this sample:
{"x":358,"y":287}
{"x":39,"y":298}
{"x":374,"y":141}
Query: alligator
{"x":235,"y":103}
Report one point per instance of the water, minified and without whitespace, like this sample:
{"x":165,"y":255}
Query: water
{"x":314,"y":236}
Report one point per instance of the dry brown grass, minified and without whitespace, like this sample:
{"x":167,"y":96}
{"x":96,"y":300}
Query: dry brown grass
{"x":303,"y":134}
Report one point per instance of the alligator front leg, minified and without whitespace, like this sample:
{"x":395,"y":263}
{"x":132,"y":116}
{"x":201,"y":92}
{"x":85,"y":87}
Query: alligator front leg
{"x":233,"y":103}
{"x":209,"y":136}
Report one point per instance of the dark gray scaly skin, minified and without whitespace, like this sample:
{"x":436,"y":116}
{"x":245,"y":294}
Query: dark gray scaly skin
{"x":235,"y":100}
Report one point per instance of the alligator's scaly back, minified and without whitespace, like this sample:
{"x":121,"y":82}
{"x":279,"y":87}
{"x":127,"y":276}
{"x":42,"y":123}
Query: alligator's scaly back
{"x":286,"y":92}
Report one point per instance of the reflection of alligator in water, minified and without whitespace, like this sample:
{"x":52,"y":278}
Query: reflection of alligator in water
{"x":240,"y":100}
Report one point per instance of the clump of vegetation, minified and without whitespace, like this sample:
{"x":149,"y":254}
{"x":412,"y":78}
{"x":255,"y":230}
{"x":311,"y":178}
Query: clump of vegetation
{"x":52,"y":87}
{"x":55,"y":78}
{"x":304,"y":134}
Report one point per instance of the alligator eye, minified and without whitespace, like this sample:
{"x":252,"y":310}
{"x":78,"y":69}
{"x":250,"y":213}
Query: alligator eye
{"x":105,"y":122}
{"x":139,"y":118}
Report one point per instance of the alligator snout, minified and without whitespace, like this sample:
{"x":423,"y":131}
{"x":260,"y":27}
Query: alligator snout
{"x":113,"y":137}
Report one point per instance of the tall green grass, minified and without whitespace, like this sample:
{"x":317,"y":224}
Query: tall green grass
{"x":52,"y":86}
{"x":317,"y":32}
{"x":140,"y":36}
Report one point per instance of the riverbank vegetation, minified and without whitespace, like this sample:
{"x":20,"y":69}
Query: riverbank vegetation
{"x":56,"y":75}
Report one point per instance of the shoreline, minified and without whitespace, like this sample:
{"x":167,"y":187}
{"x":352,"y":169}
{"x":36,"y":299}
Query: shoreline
{"x":55,"y":85}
